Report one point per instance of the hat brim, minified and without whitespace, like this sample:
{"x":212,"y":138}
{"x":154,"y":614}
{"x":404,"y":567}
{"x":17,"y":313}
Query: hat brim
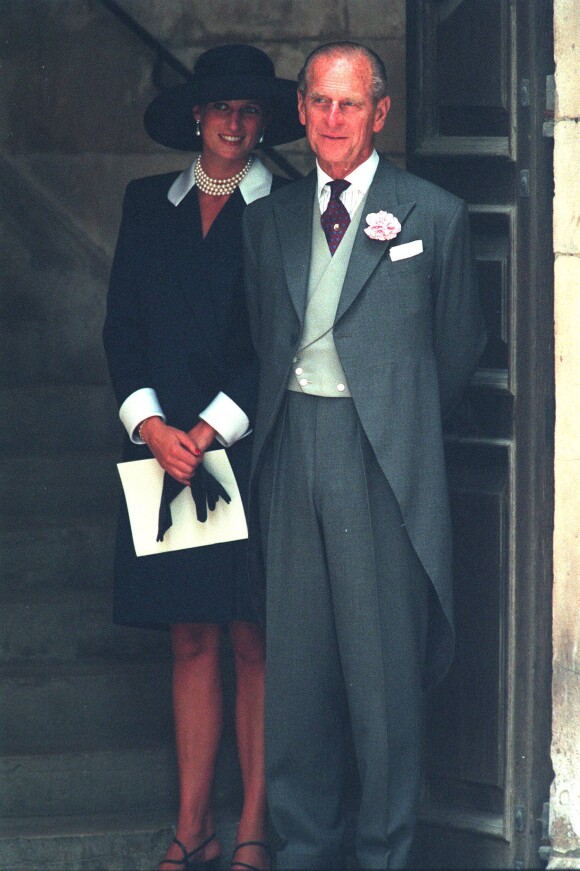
{"x":169,"y":118}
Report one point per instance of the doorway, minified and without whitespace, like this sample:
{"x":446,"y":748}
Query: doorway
{"x":478,"y":87}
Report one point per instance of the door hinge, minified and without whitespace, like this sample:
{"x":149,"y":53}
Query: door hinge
{"x":524,"y":184}
{"x":545,"y":821}
{"x":525,"y":92}
{"x":545,"y":850}
{"x":548,"y":125}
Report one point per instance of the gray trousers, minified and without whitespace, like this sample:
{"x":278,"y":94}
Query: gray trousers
{"x":347,"y":603}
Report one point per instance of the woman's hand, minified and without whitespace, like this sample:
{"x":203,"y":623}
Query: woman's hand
{"x":202,"y":434}
{"x":175,"y":451}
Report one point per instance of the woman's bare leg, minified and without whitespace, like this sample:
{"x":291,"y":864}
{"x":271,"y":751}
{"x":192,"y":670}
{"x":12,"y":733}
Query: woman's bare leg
{"x":197,"y":708}
{"x":250,"y":660}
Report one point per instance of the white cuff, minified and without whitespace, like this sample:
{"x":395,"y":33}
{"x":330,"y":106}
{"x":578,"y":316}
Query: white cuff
{"x":139,"y":405}
{"x":227,"y":418}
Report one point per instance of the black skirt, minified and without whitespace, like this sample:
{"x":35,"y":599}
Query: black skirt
{"x":196,"y":585}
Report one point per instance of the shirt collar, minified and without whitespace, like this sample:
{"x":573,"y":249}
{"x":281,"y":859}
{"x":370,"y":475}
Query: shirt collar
{"x":360,"y":178}
{"x":255,"y":184}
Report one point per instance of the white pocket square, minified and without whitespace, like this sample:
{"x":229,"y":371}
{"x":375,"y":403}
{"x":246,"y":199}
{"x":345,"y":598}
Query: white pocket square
{"x":408,"y":249}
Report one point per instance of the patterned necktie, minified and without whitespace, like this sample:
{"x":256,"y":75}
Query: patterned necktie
{"x":335,"y":219}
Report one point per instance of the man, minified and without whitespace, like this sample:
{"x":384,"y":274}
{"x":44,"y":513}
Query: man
{"x":366,"y":340}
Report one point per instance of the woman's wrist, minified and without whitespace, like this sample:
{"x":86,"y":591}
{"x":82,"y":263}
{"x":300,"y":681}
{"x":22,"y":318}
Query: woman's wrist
{"x":144,"y":426}
{"x":202,"y":434}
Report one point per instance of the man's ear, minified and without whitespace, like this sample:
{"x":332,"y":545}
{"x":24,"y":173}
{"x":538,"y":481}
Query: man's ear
{"x":301,"y":112}
{"x":381,"y":112}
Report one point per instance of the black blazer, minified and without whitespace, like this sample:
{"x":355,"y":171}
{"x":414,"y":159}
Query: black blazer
{"x":176,"y":319}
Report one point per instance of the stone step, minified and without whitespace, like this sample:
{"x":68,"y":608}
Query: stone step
{"x":58,"y":417}
{"x":33,"y":351}
{"x":56,"y":485}
{"x":134,"y":842}
{"x":138,"y":778}
{"x":96,"y":703}
{"x":52,"y":299}
{"x":65,"y":553}
{"x":119,"y":842}
{"x":71,"y":626}
{"x":135,"y":777}
{"x":17,"y":364}
{"x":101,"y":703}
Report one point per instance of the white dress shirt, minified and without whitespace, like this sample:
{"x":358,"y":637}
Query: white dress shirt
{"x":360,"y":181}
{"x":223,"y":414}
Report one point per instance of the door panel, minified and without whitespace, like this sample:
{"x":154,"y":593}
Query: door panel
{"x":475,"y":83}
{"x":464,"y":113}
{"x":472,"y":36}
{"x":493,"y":239}
{"x":469,"y":749}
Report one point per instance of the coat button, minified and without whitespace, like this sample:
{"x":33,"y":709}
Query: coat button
{"x":299,"y":371}
{"x":303,"y":382}
{"x":340,"y":387}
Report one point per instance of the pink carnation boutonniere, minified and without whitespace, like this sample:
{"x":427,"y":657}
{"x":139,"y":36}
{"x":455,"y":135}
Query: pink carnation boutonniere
{"x":382,"y":226}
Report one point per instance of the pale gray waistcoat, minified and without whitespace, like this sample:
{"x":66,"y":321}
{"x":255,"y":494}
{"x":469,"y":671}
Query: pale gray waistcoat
{"x":316,"y":367}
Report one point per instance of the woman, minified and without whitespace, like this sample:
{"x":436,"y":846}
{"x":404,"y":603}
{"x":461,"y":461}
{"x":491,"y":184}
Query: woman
{"x":183,"y":371}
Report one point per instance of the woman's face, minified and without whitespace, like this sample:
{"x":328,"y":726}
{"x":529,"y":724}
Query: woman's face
{"x":230,"y":129}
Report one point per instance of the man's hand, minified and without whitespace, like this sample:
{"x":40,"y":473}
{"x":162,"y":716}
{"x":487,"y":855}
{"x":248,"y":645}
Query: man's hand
{"x":175,"y":451}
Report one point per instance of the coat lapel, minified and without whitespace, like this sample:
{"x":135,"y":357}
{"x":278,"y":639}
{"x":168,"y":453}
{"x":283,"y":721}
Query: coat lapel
{"x":367,"y":253}
{"x":293,"y":216}
{"x":181,"y":226}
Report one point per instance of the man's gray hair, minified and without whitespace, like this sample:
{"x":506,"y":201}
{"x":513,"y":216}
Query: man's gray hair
{"x":348,"y":50}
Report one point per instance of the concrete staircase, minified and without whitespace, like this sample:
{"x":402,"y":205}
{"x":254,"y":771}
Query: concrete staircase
{"x":86,"y":749}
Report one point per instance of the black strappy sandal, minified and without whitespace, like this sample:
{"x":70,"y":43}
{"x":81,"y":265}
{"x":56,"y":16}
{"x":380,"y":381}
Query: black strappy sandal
{"x":235,"y":863}
{"x":188,"y":862}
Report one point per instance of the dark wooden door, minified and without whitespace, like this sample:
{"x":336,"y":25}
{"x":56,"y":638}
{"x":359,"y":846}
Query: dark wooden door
{"x":477,"y":126}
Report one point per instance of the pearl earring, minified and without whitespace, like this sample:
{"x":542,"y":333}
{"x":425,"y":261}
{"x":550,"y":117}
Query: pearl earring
{"x":261,"y":139}
{"x":197,"y":128}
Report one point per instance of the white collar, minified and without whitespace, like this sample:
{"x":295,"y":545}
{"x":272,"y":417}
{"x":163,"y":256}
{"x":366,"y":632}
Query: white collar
{"x":360,"y":178}
{"x":255,"y":184}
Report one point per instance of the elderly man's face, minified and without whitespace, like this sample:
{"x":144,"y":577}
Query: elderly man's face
{"x":339,"y":112}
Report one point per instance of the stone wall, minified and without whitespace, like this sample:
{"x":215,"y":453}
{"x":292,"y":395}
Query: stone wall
{"x":565,"y":799}
{"x":76,"y":82}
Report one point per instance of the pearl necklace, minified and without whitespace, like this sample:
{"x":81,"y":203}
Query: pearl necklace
{"x":219,"y":187}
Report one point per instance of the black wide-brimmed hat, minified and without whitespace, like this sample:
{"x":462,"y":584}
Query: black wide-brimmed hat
{"x":227,"y":72}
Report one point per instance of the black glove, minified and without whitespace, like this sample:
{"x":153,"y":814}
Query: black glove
{"x":171,"y":489}
{"x":205,"y":491}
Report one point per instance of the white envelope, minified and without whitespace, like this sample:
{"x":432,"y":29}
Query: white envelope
{"x":408,"y":249}
{"x":142,"y":482}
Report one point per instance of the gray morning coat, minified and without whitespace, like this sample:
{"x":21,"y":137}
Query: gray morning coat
{"x":409,"y":334}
